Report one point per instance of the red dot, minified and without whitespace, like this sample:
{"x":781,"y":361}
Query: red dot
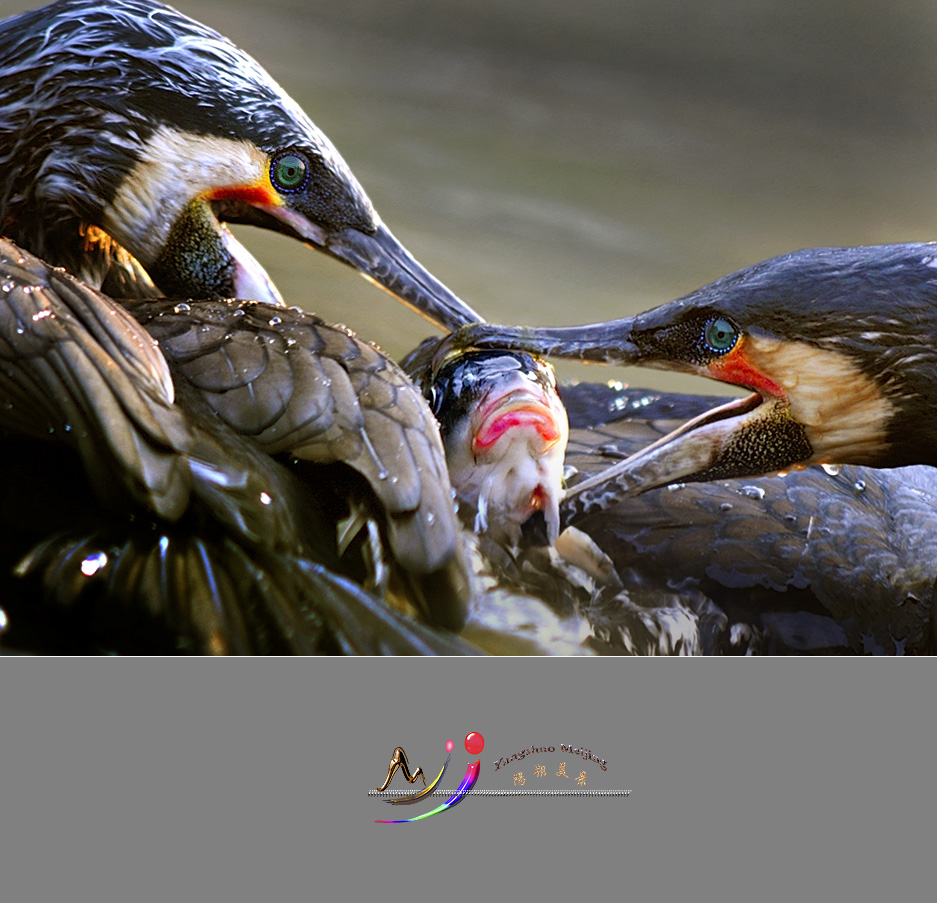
{"x":474,"y":743}
{"x":450,"y":746}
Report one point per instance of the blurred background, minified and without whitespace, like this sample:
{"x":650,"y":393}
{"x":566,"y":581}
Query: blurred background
{"x":559,"y":163}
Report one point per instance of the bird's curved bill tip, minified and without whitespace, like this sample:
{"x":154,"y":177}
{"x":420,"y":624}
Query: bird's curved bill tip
{"x":384,"y":260}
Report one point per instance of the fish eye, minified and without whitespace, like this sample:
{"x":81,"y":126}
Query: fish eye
{"x":288,"y":172}
{"x":720,"y":335}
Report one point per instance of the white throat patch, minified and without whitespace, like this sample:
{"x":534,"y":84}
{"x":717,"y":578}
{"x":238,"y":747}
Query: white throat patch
{"x":843,"y":411}
{"x":173,"y":169}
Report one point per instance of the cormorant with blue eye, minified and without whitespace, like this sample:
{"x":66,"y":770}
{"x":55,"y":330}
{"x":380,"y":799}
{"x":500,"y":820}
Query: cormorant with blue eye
{"x":767,"y":565}
{"x":838,"y":347}
{"x":128,"y":135}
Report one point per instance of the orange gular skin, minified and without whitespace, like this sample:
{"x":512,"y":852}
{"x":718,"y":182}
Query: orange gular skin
{"x":735,"y":368}
{"x":258,"y":194}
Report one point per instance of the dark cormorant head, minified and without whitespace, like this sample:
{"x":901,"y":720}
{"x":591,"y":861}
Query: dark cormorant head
{"x":837,"y":345}
{"x":127,"y":122}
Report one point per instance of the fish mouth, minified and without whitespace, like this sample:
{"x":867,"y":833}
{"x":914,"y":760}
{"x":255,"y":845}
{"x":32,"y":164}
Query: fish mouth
{"x":517,"y":409}
{"x":745,"y":437}
{"x":526,"y":436}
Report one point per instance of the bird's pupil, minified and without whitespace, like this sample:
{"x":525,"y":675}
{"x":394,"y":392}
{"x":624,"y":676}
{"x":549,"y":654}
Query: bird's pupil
{"x":720,"y":334}
{"x":289,"y":172}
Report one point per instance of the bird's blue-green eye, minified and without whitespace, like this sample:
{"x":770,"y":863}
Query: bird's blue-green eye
{"x":720,"y":335}
{"x":288,"y":173}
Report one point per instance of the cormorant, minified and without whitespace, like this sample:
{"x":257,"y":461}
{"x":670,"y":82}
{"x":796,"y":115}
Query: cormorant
{"x":811,"y":562}
{"x":128,"y":135}
{"x":839,"y":348}
{"x":127,"y":188}
{"x":837,"y":345}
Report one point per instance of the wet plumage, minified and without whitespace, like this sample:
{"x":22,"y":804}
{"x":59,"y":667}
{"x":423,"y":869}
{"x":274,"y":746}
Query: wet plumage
{"x":171,"y":504}
{"x":838,"y":345}
{"x":804,"y":563}
{"x":282,"y":466}
{"x":173,"y":508}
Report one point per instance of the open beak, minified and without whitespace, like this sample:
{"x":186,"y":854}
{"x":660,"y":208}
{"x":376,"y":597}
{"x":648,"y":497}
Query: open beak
{"x":747,"y":436}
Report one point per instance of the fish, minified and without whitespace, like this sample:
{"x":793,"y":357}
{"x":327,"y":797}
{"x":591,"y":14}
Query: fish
{"x":505,"y":431}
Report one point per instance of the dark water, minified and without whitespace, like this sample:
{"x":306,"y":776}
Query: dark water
{"x":557,"y":162}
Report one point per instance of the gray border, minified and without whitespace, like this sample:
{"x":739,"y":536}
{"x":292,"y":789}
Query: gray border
{"x":245,"y":780}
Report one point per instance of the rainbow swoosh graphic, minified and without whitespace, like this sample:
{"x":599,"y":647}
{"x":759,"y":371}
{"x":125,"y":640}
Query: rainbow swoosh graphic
{"x":468,"y":782}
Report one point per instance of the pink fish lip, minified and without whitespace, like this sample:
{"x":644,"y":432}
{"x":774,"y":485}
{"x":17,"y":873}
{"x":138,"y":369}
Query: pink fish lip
{"x":516,"y":409}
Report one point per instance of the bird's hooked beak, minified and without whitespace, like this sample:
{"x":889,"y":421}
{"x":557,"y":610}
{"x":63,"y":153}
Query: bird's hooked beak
{"x":181,"y":240}
{"x":200,"y":244}
{"x":382,"y":259}
{"x":610,"y":342}
{"x":836,"y":345}
{"x":809,"y":404}
{"x":374,"y":251}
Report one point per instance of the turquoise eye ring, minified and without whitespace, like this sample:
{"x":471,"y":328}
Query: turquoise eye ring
{"x":289,"y":171}
{"x":720,"y":335}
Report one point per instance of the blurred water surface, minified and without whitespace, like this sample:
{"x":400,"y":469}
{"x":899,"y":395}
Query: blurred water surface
{"x":558,"y":163}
